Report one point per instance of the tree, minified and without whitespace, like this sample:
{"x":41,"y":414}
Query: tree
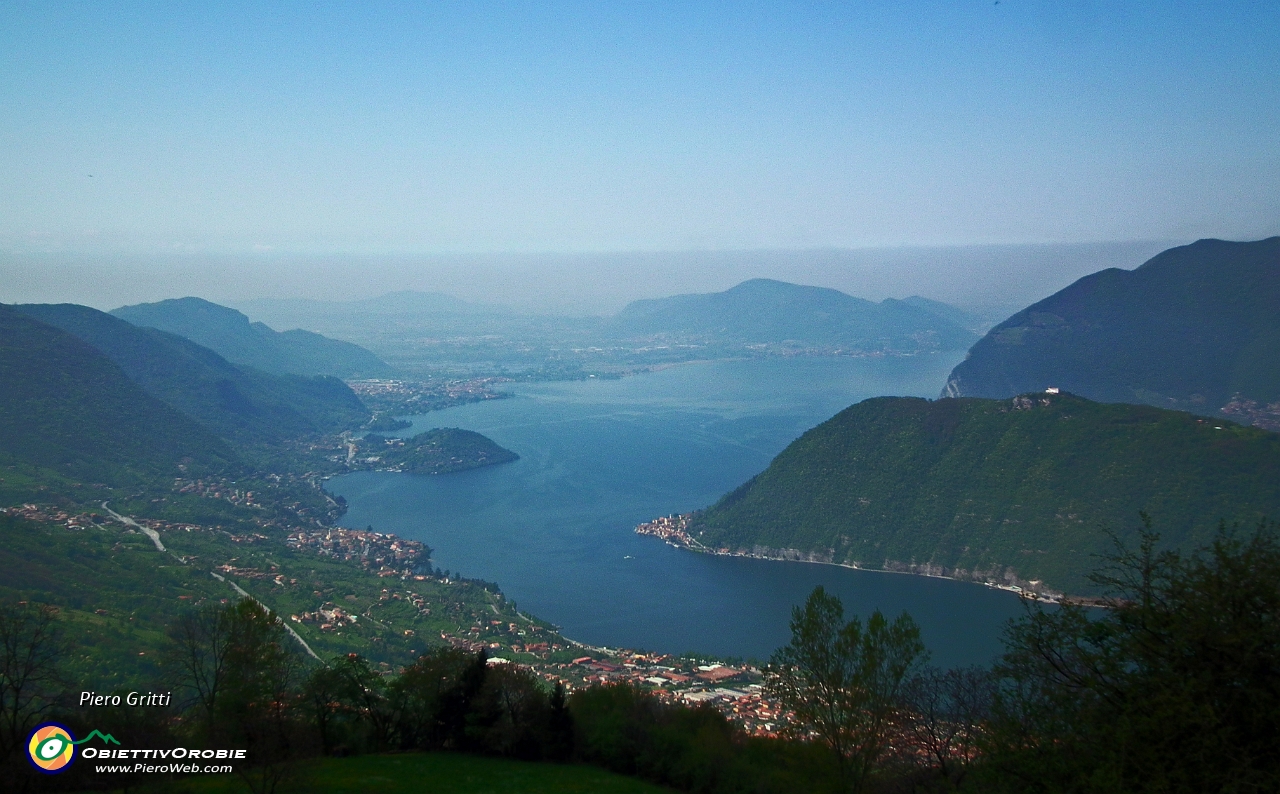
{"x":241,"y":671}
{"x":363,"y":690}
{"x":199,"y":646}
{"x":559,"y":726}
{"x":1174,"y":687}
{"x":512,"y":714}
{"x":944,"y":712}
{"x":323,"y":692}
{"x":30,"y":645}
{"x":349,"y":706}
{"x":434,"y":696}
{"x":843,"y":681}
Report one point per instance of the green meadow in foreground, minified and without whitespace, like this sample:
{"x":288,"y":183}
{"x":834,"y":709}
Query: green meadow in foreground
{"x":439,"y":773}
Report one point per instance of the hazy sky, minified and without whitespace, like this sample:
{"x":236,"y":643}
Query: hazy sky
{"x":994,"y":280}
{"x":443,"y":128}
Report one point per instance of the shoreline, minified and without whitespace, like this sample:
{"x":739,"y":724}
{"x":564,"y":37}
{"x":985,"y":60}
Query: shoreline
{"x":1014,"y":589}
{"x":672,"y":531}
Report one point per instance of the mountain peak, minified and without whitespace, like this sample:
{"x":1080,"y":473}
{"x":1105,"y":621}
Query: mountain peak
{"x":1193,"y":328}
{"x":229,"y":333}
{"x":187,"y":305}
{"x":764,"y":311}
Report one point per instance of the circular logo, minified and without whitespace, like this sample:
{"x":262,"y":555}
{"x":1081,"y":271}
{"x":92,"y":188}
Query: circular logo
{"x":50,"y":748}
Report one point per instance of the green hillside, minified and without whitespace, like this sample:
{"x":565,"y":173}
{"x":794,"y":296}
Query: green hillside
{"x":1191,"y":329}
{"x":234,"y":401}
{"x":68,"y":409}
{"x":117,"y":593}
{"x":438,"y":451}
{"x":974,"y":488}
{"x":78,"y":430}
{"x":230,"y":334}
{"x":763,"y":311}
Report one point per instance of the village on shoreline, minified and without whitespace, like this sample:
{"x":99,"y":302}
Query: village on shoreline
{"x":737,"y":691}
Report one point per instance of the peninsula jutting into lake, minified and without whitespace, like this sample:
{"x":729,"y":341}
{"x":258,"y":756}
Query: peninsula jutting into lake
{"x":555,"y":528}
{"x":1025,"y":492}
{"x":674,"y":530}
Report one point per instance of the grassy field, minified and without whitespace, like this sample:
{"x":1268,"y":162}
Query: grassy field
{"x":438,"y":773}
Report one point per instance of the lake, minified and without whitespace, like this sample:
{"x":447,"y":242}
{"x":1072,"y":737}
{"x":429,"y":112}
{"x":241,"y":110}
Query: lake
{"x":555,"y":528}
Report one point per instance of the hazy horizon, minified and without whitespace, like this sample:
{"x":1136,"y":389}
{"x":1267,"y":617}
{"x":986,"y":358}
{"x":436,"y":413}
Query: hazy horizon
{"x":570,"y":157}
{"x":977,"y":278}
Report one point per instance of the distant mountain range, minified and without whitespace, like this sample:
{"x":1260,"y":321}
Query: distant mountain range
{"x":977,"y":488}
{"x":69,"y":409}
{"x":235,"y":402}
{"x":230,"y":334}
{"x":763,"y":311}
{"x":423,"y":333}
{"x":429,"y":313}
{"x":1195,"y":328}
{"x":418,"y":331}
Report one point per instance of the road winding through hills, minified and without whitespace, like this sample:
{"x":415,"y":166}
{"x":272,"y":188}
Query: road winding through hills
{"x":155,"y":538}
{"x":129,"y":522}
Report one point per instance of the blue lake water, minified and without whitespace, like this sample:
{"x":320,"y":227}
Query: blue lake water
{"x":555,"y":529}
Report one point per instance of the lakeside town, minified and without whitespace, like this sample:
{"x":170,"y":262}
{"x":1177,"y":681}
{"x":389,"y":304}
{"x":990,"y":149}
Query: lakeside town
{"x":387,"y":396}
{"x":736,"y":691}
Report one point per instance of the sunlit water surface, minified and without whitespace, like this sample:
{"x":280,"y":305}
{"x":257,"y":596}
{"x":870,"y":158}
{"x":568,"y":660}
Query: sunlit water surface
{"x":555,"y":529}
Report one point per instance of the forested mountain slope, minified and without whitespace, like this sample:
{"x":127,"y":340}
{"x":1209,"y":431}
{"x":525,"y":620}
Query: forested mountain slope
{"x":69,"y":409}
{"x":230,"y":334}
{"x":124,"y":512}
{"x":974,"y":487}
{"x":235,"y":402}
{"x":1195,"y":328}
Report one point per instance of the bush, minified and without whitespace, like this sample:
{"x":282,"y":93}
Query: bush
{"x":1174,"y":688}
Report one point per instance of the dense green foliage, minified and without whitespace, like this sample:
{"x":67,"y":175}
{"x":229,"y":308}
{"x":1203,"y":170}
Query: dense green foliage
{"x":386,"y":424}
{"x":975,"y":487}
{"x":448,"y":699}
{"x":1189,"y":329}
{"x":774,"y":312}
{"x":1172,"y":689}
{"x":235,"y":402}
{"x":438,"y":451}
{"x":453,"y":700}
{"x":230,"y":334}
{"x":846,"y":682}
{"x":631,"y":731}
{"x":66,"y":407}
